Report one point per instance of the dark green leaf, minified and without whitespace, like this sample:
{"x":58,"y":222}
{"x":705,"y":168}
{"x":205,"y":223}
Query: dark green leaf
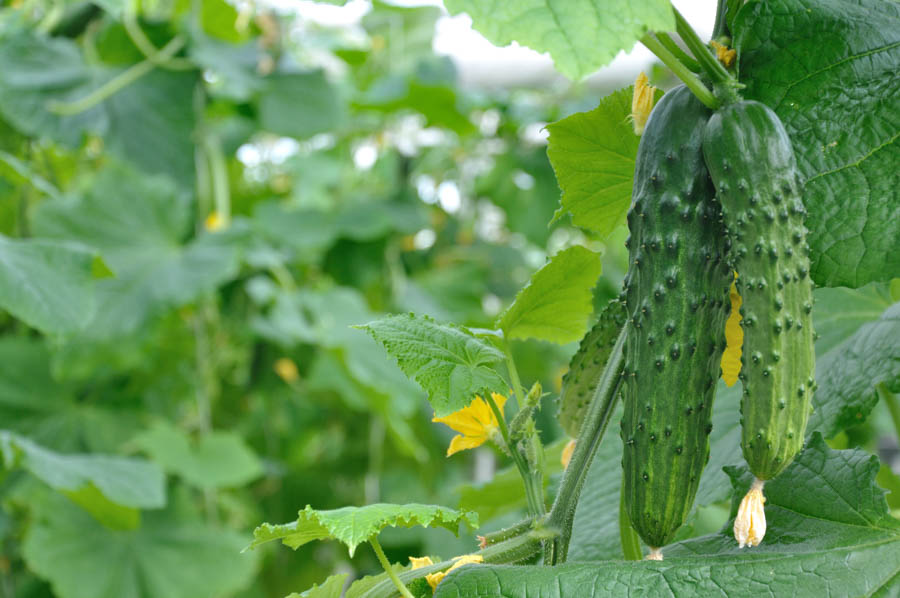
{"x":300,"y":105}
{"x":581,"y":35}
{"x":828,"y":69}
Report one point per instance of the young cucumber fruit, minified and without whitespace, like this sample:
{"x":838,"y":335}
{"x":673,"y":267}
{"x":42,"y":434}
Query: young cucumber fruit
{"x":676,"y":296}
{"x":751,"y":162}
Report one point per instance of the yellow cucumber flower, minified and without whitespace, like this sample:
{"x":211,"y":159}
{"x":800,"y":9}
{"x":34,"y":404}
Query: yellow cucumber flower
{"x":418,"y":563}
{"x":435,"y":578}
{"x":750,"y":523}
{"x":641,"y":102}
{"x":476,"y":424}
{"x":734,"y":335}
{"x":286,"y":370}
{"x":214,"y":222}
{"x":725,"y":55}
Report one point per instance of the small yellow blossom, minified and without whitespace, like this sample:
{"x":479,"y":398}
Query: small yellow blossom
{"x":435,"y":578}
{"x":725,"y":55}
{"x":750,"y":523}
{"x":734,"y":335}
{"x":655,"y":554}
{"x":641,"y":102}
{"x":567,"y":453}
{"x":214,"y":222}
{"x":420,"y":562}
{"x":476,"y":424}
{"x":286,"y":369}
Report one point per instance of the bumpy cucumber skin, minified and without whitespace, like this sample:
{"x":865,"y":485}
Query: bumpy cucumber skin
{"x":586,"y":366}
{"x":752,"y":164}
{"x":676,"y":295}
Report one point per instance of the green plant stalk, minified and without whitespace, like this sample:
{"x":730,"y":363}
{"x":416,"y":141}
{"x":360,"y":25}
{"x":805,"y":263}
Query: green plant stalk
{"x":893,"y":405}
{"x":701,"y":52}
{"x":388,"y":569}
{"x":562,"y":514}
{"x":676,"y":50}
{"x":514,"y":375}
{"x":681,"y":71}
{"x":146,"y":47}
{"x":534,"y":493}
{"x":631,"y":542}
{"x":721,"y":23}
{"x":118,"y":83}
{"x":219,"y":175}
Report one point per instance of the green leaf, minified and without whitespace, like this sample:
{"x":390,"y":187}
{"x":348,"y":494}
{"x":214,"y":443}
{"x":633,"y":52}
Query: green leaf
{"x":218,"y":459}
{"x":448,"y":361}
{"x":828,"y":69}
{"x":355,"y":525}
{"x":109,"y":488}
{"x":149,"y":122}
{"x":593,"y":156}
{"x":300,"y":105}
{"x":847,"y":375}
{"x":839,"y":312}
{"x":829,"y":533}
{"x":143,"y":242}
{"x":47,"y":284}
{"x":580,"y":35}
{"x":556,"y":303}
{"x":168,"y":555}
{"x":330,"y":588}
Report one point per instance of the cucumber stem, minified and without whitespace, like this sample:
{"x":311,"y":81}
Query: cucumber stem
{"x":701,"y":52}
{"x":386,"y":564}
{"x":681,"y":71}
{"x":534,"y":487}
{"x":890,"y":400}
{"x":721,"y":26}
{"x":599,"y":412}
{"x":631,"y":543}
{"x":675,"y":49}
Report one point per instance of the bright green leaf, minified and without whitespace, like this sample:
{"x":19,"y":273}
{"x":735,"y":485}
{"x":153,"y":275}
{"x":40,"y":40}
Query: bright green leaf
{"x":593,"y":156}
{"x":110,"y":488}
{"x":448,"y":361}
{"x":839,"y":312}
{"x":847,"y":375}
{"x":47,"y":284}
{"x":330,"y":588}
{"x":169,"y":555}
{"x":556,"y":303}
{"x":829,"y":533}
{"x":580,"y":35}
{"x":355,"y":525}
{"x":828,"y":69}
{"x":218,"y":459}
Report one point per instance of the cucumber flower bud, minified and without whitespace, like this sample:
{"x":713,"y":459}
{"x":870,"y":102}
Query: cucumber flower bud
{"x":750,"y":523}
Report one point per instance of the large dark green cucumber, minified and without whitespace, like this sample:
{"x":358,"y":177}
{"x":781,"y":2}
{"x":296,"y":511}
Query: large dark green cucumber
{"x":586,"y":366}
{"x":676,"y":294}
{"x":751,"y":162}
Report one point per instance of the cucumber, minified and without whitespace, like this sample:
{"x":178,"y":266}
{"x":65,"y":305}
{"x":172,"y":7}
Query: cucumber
{"x":676,"y":296}
{"x":751,"y":162}
{"x":586,"y":366}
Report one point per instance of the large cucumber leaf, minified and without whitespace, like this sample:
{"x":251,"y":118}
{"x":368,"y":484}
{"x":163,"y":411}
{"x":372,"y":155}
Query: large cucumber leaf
{"x":580,"y":35}
{"x":829,"y":70}
{"x":829,"y":533}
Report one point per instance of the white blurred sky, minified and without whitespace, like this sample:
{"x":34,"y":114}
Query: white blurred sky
{"x":481,"y":63}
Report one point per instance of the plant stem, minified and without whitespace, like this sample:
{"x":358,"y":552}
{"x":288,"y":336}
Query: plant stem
{"x":514,"y":375}
{"x":631,"y":543}
{"x":890,"y":399}
{"x":562,"y":514}
{"x":701,"y":52}
{"x":146,"y":47}
{"x":681,"y":71}
{"x":118,"y":83}
{"x":721,"y":26}
{"x":534,"y":492}
{"x":219,"y":171}
{"x":388,"y":569}
{"x":676,"y":50}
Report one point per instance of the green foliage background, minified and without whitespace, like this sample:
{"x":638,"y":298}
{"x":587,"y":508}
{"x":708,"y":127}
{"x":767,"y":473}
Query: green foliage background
{"x":166,"y":385}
